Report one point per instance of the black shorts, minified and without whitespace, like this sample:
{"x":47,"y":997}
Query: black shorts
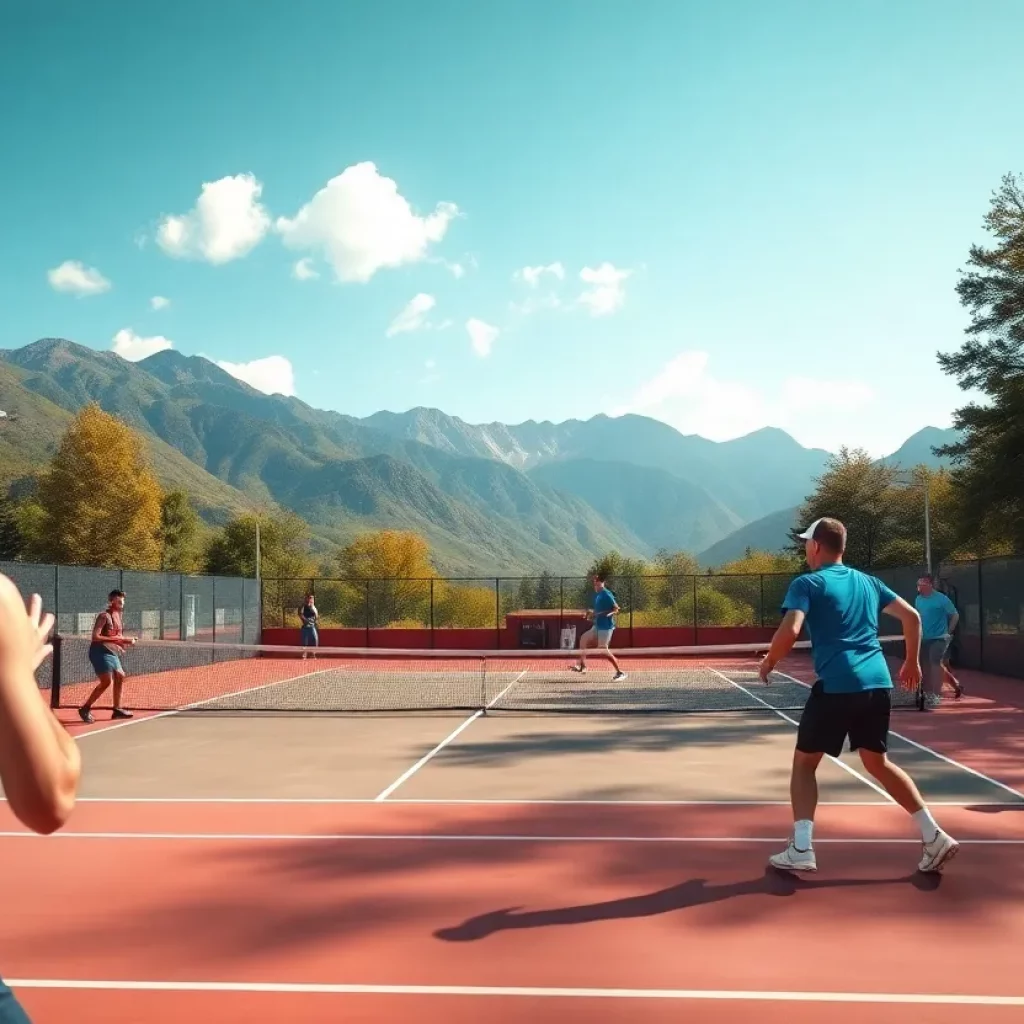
{"x":829,"y":718}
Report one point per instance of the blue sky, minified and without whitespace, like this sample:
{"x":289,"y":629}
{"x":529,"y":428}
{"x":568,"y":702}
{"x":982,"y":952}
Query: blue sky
{"x":748,"y":213}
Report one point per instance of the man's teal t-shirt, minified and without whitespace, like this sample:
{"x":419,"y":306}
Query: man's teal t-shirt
{"x":934,"y":610}
{"x":842,"y":608}
{"x":604,"y":602}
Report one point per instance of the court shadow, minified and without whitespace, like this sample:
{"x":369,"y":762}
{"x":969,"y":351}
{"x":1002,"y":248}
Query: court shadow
{"x":692,"y":893}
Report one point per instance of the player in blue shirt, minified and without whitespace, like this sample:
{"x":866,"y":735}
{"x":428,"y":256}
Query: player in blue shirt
{"x":852,"y":695}
{"x":600,"y":634}
{"x":938,"y":621}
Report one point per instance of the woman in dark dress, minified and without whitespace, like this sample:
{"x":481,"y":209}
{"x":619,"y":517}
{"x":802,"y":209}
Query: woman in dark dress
{"x":309,"y":616}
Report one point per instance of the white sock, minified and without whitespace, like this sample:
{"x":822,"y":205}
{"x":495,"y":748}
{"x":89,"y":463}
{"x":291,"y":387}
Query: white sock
{"x":802,"y":834}
{"x":927,"y":824}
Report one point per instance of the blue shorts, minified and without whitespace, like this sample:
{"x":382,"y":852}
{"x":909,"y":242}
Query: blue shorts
{"x":310,"y":637}
{"x":11,"y":1011}
{"x":104,"y":663}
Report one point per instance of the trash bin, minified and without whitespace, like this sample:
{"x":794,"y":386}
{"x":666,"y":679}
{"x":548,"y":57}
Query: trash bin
{"x":533,"y":633}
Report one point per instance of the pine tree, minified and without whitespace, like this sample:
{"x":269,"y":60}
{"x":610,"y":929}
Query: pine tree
{"x":179,"y":534}
{"x":989,"y":458}
{"x":11,"y":540}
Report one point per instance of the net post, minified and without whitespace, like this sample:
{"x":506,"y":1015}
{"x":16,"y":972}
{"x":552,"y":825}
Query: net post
{"x":214,"y":602}
{"x":981,"y":617}
{"x":433,"y":641}
{"x":762,"y":600}
{"x":497,"y":613}
{"x":695,"y":633}
{"x":55,"y":671}
{"x":631,"y":599}
{"x":483,"y":685}
{"x":367,"y":613}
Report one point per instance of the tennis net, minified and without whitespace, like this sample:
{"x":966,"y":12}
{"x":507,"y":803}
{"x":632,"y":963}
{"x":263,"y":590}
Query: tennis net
{"x":232,"y":678}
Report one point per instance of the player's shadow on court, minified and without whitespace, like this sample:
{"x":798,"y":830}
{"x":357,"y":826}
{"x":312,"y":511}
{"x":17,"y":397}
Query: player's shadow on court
{"x":693,"y":893}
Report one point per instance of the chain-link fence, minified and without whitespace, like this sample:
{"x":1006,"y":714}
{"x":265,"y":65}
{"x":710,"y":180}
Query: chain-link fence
{"x":989,"y":597}
{"x":158,"y":605}
{"x":988,"y":594}
{"x":437,"y":603}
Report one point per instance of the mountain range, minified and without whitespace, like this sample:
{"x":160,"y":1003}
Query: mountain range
{"x":490,"y":498}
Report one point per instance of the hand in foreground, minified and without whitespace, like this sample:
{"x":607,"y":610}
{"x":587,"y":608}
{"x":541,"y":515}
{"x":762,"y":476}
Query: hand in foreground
{"x":764,"y":671}
{"x":910,"y":674}
{"x":41,"y":625}
{"x":24,"y":634}
{"x":39,"y":762}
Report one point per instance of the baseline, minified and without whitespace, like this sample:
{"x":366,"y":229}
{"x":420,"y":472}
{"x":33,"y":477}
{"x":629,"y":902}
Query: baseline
{"x":506,"y":992}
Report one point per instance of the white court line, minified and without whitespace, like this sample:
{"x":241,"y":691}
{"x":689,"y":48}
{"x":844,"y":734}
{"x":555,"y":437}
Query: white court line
{"x":934,"y":753}
{"x":927,"y":999}
{"x":410,"y":772}
{"x":455,"y":837}
{"x":842,"y":764}
{"x":428,"y":801}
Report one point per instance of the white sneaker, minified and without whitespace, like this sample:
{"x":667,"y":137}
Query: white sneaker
{"x":942,"y":849}
{"x":792,"y":859}
{"x":618,"y":677}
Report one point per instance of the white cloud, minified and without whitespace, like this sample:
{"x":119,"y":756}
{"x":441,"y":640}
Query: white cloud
{"x":273,"y":375}
{"x":159,"y":302}
{"x":362,"y":224}
{"x":457,"y":270}
{"x":535,"y":303}
{"x":694,"y":401}
{"x":531,"y":276}
{"x":227,"y":222}
{"x":71,"y":276}
{"x":607,"y":291}
{"x":481,"y":336}
{"x":413,"y":316}
{"x":303,"y":270}
{"x":129,"y":345}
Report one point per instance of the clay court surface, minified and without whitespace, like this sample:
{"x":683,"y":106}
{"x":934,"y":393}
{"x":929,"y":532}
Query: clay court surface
{"x":522,"y":867}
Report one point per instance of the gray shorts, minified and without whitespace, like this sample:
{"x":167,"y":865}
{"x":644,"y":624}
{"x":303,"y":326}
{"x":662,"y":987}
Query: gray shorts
{"x":933,"y":656}
{"x":601,"y":637}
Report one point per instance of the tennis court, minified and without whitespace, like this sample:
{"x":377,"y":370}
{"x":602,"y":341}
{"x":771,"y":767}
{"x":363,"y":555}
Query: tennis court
{"x":364,"y":841}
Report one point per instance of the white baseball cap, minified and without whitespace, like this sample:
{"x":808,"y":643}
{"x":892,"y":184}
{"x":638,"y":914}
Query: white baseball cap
{"x":808,"y":534}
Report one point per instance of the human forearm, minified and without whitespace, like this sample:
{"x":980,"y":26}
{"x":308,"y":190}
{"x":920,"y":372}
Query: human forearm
{"x":783,"y":640}
{"x":40,"y":764}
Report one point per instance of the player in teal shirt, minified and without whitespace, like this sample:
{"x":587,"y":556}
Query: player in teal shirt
{"x":938,"y":621}
{"x":852,"y":696}
{"x":600,"y":634}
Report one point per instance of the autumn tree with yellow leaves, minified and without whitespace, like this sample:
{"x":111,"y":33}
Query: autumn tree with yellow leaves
{"x":99,"y":503}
